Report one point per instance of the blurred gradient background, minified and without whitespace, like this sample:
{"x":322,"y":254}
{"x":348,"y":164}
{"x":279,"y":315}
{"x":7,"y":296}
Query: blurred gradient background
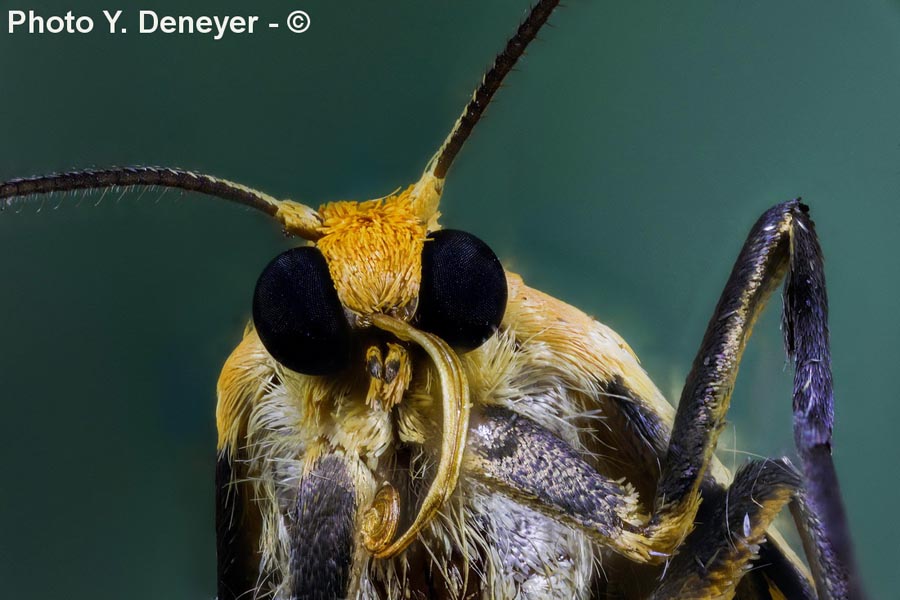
{"x":619,"y":169}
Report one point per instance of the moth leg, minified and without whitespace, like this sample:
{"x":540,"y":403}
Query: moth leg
{"x":782,"y":241}
{"x":514,"y":455}
{"x":716,"y":555}
{"x":322,"y":531}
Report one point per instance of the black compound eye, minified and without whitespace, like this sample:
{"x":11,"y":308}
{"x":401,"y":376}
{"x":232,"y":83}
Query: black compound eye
{"x":298,"y":315}
{"x":462,"y":296}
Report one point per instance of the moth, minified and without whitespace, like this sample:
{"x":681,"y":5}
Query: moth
{"x":405,"y":418}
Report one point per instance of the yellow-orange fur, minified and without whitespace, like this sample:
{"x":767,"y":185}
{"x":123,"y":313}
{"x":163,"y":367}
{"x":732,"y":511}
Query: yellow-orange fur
{"x":374,"y":252}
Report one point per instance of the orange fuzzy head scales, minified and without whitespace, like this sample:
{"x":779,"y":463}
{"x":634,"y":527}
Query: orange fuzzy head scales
{"x":374,"y":252}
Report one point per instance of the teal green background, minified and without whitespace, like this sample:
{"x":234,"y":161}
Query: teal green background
{"x":619,"y":169}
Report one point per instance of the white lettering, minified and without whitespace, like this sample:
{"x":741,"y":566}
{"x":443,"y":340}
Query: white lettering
{"x":204,"y":24}
{"x":221,"y":25}
{"x":84,"y":24}
{"x":168,"y":24}
{"x":55,"y":24}
{"x":151,"y":22}
{"x":16,"y":18}
{"x":149,"y":14}
{"x":112,"y":19}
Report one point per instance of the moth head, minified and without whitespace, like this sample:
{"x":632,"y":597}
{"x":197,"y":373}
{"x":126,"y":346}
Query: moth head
{"x":384,"y":257}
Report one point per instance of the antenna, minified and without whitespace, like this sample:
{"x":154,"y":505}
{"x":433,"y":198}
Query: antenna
{"x":490,"y":83}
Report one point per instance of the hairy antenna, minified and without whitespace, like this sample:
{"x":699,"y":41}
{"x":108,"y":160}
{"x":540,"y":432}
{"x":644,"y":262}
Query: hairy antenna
{"x":503,"y":64}
{"x":92,"y":179}
{"x":297,"y":219}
